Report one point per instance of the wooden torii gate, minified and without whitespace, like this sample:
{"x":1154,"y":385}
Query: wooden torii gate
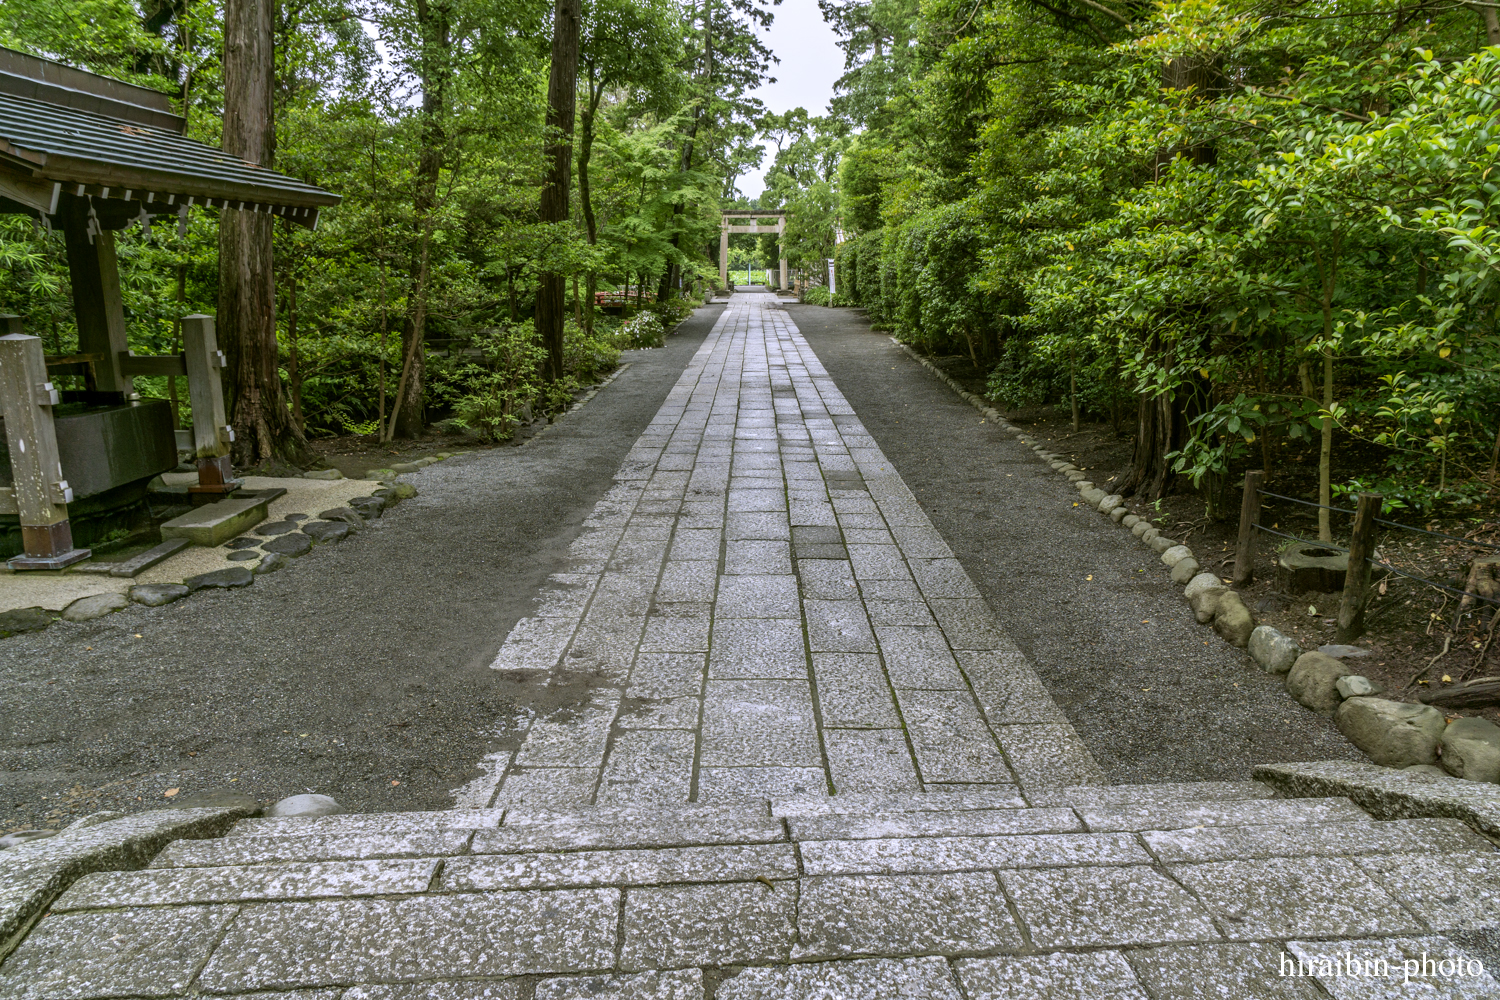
{"x":726,"y":227}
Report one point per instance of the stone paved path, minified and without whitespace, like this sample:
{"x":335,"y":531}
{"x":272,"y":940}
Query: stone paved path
{"x":812,"y":769}
{"x":766,"y":610}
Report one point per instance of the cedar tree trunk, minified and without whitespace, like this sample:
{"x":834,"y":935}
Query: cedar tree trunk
{"x":562,"y":85}
{"x":246,"y":321}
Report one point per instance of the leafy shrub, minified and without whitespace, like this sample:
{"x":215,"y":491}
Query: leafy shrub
{"x":817,"y":296}
{"x":642,"y":331}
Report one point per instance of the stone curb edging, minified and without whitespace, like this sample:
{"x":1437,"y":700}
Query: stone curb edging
{"x":1314,"y":679}
{"x":34,"y":874}
{"x":1386,"y":793}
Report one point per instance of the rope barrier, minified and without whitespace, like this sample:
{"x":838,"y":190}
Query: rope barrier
{"x":1305,"y":503}
{"x":1436,"y":534}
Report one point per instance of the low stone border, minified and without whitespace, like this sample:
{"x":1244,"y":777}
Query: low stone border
{"x":33,"y":874}
{"x":1389,"y":794}
{"x":1393,"y":734}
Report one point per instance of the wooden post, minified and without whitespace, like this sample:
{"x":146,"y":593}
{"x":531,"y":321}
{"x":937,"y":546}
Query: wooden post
{"x":212,"y":435}
{"x":1357,"y":579}
{"x":41,"y":493}
{"x":97,"y":304}
{"x":724,"y":253}
{"x":1244,"y":558}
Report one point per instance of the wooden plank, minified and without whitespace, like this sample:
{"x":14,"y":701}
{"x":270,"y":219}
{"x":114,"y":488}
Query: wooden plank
{"x":139,"y":563}
{"x":8,"y":501}
{"x":211,"y":434}
{"x":161,"y":364}
{"x":38,"y":487}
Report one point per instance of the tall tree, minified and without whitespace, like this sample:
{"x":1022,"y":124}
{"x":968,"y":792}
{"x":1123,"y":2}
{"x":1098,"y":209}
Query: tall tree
{"x":263,"y":428}
{"x":562,"y":87}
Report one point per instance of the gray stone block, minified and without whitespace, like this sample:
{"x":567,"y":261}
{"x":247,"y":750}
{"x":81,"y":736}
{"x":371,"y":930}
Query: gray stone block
{"x":175,"y":887}
{"x":902,"y":915}
{"x":853,"y":692}
{"x":838,"y":627}
{"x":1285,"y":897}
{"x":758,"y":648}
{"x":1396,"y":953}
{"x":216,"y":523}
{"x":1086,"y":907}
{"x":759,"y":723}
{"x":682,"y":984}
{"x":751,"y":596}
{"x":1243,"y":812}
{"x":289,"y":945}
{"x":638,"y":867}
{"x":935,"y":823}
{"x":869,"y":760}
{"x":1312,"y":840}
{"x":738,"y":784}
{"x":863,"y":979}
{"x":918,"y":658}
{"x":738,"y":922}
{"x":636,"y":827}
{"x":1225,"y":971}
{"x":1455,"y":891}
{"x":150,"y":952}
{"x":649,"y":765}
{"x":1100,"y":975}
{"x":308,"y":804}
{"x":1390,"y":794}
{"x":309,"y":847}
{"x":903,"y":855}
{"x":951,"y":739}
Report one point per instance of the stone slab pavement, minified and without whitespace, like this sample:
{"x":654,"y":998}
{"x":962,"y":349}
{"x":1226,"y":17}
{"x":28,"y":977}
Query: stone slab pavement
{"x":811,"y":766}
{"x":761,"y":607}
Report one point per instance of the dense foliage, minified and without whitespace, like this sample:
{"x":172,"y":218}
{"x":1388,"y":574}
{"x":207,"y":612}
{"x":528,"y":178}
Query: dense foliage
{"x":1266,"y":227}
{"x":427,"y":117}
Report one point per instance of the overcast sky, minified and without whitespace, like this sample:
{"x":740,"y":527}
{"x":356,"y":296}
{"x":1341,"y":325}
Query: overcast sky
{"x":810,"y":62}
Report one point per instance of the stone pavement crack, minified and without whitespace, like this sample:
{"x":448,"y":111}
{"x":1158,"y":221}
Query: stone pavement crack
{"x":761,"y":607}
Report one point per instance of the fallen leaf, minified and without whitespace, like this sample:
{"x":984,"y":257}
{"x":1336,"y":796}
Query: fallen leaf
{"x":1447,"y":679}
{"x":395,"y":783}
{"x":139,"y":636}
{"x":171,"y":792}
{"x":766,"y":882}
{"x":1089,"y":577}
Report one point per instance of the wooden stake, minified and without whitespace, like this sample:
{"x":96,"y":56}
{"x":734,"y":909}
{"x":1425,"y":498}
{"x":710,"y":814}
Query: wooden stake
{"x":1244,"y":559}
{"x":1357,"y":580}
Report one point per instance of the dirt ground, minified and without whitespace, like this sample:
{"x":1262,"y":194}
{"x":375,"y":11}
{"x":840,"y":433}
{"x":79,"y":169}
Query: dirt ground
{"x":1413,"y":640}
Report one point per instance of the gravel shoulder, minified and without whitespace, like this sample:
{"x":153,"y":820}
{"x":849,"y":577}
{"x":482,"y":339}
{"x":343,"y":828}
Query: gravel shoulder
{"x":361,"y":671}
{"x":1156,"y":696}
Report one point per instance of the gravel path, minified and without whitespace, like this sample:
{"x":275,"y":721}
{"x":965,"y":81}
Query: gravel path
{"x":353,"y":669}
{"x":1155,"y":696}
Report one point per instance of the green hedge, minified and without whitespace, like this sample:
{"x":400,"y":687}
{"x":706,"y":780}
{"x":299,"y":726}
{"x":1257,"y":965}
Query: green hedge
{"x":918,"y":280}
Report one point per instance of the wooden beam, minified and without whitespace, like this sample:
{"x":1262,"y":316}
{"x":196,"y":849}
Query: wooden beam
{"x":97,"y":305}
{"x":161,"y":364}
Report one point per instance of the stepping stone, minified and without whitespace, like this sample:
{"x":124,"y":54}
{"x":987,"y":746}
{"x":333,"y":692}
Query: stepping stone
{"x":271,"y":562}
{"x":276,"y":528}
{"x":296,"y":544}
{"x":324,"y":532}
{"x":216,"y":523}
{"x":223,"y":579}
{"x":243,"y":555}
{"x":295,"y":517}
{"x":88,"y":608}
{"x":242,"y":542}
{"x":154,"y":595}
